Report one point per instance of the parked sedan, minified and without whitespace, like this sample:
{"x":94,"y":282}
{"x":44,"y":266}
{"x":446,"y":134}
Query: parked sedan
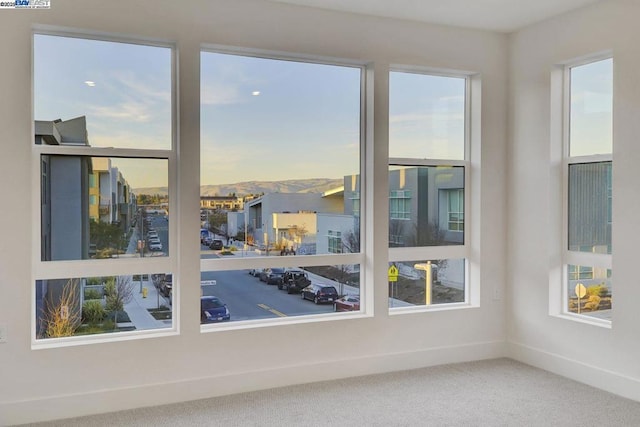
{"x":274,"y":276}
{"x":212,"y":310}
{"x":319,"y":293}
{"x":216,"y":244}
{"x":347,"y":303}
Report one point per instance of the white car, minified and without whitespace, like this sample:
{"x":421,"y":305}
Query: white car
{"x":155,"y":246}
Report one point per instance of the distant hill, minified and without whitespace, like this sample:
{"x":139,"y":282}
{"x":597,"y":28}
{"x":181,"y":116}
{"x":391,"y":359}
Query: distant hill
{"x":313,"y":185}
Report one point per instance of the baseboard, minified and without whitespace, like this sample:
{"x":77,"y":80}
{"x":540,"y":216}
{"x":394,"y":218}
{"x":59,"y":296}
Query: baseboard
{"x":604,"y":379}
{"x":145,"y":395}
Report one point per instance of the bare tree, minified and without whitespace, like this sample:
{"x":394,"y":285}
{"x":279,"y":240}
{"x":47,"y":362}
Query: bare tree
{"x":351,"y":238}
{"x":396,"y":232}
{"x":298,"y":232}
{"x":430,"y":235}
{"x":119,"y":291}
{"x":61,"y":315}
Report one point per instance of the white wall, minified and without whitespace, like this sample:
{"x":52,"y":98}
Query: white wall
{"x":604,"y":357}
{"x":70,"y":381}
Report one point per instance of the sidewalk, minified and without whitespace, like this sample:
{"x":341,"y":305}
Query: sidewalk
{"x":137,"y":308}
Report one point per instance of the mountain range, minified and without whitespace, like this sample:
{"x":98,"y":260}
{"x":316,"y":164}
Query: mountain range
{"x":312,"y":185}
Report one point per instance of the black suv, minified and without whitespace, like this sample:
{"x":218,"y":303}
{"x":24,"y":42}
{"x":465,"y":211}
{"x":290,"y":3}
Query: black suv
{"x":294,"y":280}
{"x":319,"y":293}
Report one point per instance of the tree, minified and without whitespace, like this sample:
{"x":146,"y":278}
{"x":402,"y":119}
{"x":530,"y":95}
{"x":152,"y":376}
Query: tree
{"x":351,"y":239}
{"x":217,"y":219}
{"x":118,"y":291}
{"x":396,"y":232}
{"x":61,"y":314}
{"x":431,"y":235}
{"x":108,"y":238}
{"x":298,"y":232}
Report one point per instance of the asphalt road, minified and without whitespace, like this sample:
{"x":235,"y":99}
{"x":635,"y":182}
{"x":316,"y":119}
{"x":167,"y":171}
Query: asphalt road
{"x":248,"y":298}
{"x":161,"y":224}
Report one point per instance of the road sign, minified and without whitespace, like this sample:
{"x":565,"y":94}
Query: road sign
{"x":580,"y":290}
{"x":393,"y":273}
{"x":207,"y":282}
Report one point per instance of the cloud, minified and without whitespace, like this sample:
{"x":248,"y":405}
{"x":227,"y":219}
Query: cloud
{"x":125,"y":96}
{"x":219,"y":94}
{"x":132,"y":111}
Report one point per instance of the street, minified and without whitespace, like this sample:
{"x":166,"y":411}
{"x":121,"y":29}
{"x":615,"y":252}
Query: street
{"x":249,"y":298}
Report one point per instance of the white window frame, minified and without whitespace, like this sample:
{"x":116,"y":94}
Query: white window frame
{"x":400,"y":204}
{"x":560,"y":164}
{"x":51,"y":270}
{"x":471,"y":165}
{"x":366,"y":294}
{"x":459,"y":213}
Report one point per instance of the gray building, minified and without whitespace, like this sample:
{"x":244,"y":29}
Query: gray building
{"x":426,"y":205}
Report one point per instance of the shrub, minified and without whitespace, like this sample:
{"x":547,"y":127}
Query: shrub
{"x":598,"y":290}
{"x":91,"y":294}
{"x":592,"y":303}
{"x":92,"y":311}
{"x":93,"y":281}
{"x":108,"y":325}
{"x":121,"y":316}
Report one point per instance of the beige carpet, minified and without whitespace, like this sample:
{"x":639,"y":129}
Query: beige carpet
{"x":498,"y":392}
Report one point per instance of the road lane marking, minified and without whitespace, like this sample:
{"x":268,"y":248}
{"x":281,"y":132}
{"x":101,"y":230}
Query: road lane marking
{"x":272,"y":310}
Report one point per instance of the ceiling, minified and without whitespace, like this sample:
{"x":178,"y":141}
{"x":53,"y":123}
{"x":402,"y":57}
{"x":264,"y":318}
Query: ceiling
{"x":493,"y":15}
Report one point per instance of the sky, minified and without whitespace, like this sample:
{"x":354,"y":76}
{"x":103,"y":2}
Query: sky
{"x":591,"y":120}
{"x":265,"y":119}
{"x":261,"y":119}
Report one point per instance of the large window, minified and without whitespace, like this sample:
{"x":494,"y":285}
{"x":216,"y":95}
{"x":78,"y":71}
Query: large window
{"x":428,"y":172}
{"x":588,"y":189}
{"x":103,"y":154}
{"x":280,"y":166}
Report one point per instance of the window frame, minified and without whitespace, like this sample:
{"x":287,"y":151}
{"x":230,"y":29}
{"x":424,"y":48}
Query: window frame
{"x":471,"y":170}
{"x":87,"y":268}
{"x":293,"y":261}
{"x":561,"y":140}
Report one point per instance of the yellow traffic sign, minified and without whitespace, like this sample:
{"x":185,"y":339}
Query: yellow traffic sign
{"x":393,"y":273}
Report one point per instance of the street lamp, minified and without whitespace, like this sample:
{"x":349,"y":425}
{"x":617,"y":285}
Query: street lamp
{"x":245,"y":232}
{"x":428,"y":279}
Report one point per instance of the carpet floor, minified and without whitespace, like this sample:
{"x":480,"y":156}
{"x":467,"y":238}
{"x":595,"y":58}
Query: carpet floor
{"x":498,"y":392}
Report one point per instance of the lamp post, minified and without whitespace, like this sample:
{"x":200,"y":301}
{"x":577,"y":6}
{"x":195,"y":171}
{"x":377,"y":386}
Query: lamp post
{"x":245,"y":233}
{"x":428,"y":279}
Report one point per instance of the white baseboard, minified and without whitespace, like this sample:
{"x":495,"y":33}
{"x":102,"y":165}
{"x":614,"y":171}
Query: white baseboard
{"x":604,"y":379}
{"x":145,"y":395}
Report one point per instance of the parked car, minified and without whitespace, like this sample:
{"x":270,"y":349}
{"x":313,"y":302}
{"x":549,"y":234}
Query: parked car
{"x":166,"y":286}
{"x":347,"y":303}
{"x":216,"y":244}
{"x":294,"y":280}
{"x":155,"y":246}
{"x":274,"y":276}
{"x":255,"y":272}
{"x":212,"y":309}
{"x":319,"y":293}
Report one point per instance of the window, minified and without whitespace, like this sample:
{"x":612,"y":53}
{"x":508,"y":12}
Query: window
{"x":400,"y":204}
{"x":335,"y":242}
{"x":428,"y":162}
{"x":455,"y":215}
{"x":588,"y":171}
{"x":281,"y":137}
{"x":104,"y":149}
